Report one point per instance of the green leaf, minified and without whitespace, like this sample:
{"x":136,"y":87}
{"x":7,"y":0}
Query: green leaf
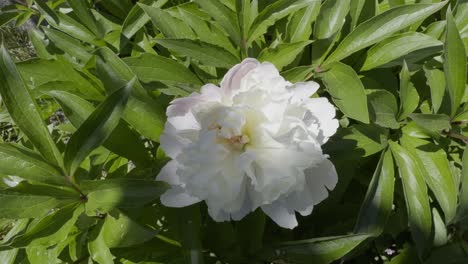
{"x":98,"y":250}
{"x":24,"y":110}
{"x":455,"y":68}
{"x":361,"y":10}
{"x":137,"y":18}
{"x":283,"y":54}
{"x":40,"y":46}
{"x":416,"y":197}
{"x":300,"y":25}
{"x":409,"y":97}
{"x":318,"y":251}
{"x":121,"y":141}
{"x":383,"y":108}
{"x":187,"y":223}
{"x":436,"y":82}
{"x":352,"y":101}
{"x":378,"y":203}
{"x":298,"y":74}
{"x":6,"y":17}
{"x":272,"y":13}
{"x":245,"y":19}
{"x":224,"y":16}
{"x":170,"y":26}
{"x":15,"y":205}
{"x":462,"y":210}
{"x":119,"y":230}
{"x":436,"y":171}
{"x":96,"y":128}
{"x":8,"y":256}
{"x":361,"y":140}
{"x":397,"y":47}
{"x":206,"y":31}
{"x":143,"y":113}
{"x":50,"y":230}
{"x":69,"y":45}
{"x":20,"y":161}
{"x":432,"y":123}
{"x":39,"y":72}
{"x":105,"y":195}
{"x":83,"y":12}
{"x":67,"y":24}
{"x":331,"y":18}
{"x":382,"y":26}
{"x":155,"y":68}
{"x":206,"y":53}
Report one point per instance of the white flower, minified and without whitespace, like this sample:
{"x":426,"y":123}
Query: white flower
{"x":253,"y":142}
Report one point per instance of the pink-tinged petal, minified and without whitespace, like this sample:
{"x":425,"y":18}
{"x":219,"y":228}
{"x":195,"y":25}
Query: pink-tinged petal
{"x":181,"y":106}
{"x":282,"y":216}
{"x":302,"y":91}
{"x":168,"y":173}
{"x":211,"y":93}
{"x":321,"y":179}
{"x":177,"y":197}
{"x":232,"y":79}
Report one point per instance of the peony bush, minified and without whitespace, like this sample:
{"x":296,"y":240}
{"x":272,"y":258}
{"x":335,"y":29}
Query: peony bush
{"x":234,"y":131}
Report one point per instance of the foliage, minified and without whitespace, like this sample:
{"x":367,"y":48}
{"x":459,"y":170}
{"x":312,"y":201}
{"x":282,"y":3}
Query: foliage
{"x":81,"y":123}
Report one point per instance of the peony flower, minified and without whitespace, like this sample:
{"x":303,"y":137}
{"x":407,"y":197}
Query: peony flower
{"x":254,"y":142}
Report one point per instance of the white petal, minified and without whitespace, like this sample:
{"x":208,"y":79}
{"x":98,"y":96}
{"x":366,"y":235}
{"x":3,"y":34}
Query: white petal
{"x":282,"y":216}
{"x":303,"y":90}
{"x":177,"y":197}
{"x":168,"y":173}
{"x":232,"y":80}
{"x":320,"y":179}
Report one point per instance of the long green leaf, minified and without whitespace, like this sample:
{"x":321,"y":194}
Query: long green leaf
{"x":455,"y":68}
{"x":137,"y":18}
{"x":49,"y":230}
{"x":382,"y":26}
{"x":299,"y":27}
{"x":416,"y":197}
{"x":22,"y":162}
{"x":96,"y":128}
{"x":170,"y":26}
{"x":83,"y":12}
{"x":462,"y":210}
{"x":383,"y":108}
{"x":396,"y":47}
{"x":142,"y":112}
{"x":224,"y":16}
{"x":331,"y":18}
{"x":155,"y":68}
{"x":347,"y":91}
{"x":68,"y":44}
{"x":436,"y":82}
{"x":409,"y":97}
{"x":206,"y":53}
{"x":283,"y":54}
{"x":24,"y":110}
{"x":121,"y":141}
{"x":273,"y":13}
{"x":317,"y":251}
{"x":436,"y":171}
{"x":106,"y":195}
{"x":378,"y":203}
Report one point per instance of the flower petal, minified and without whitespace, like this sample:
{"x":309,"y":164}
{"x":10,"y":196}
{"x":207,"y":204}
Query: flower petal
{"x":177,"y":197}
{"x":282,"y":216}
{"x":302,"y":91}
{"x":168,"y":173}
{"x":320,"y":179}
{"x":232,"y":79}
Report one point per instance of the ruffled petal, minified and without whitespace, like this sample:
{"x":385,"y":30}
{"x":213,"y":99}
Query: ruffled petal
{"x":302,"y":91}
{"x":282,"y":216}
{"x":168,"y":173}
{"x":177,"y":197}
{"x":232,"y":80}
{"x":321,"y":179}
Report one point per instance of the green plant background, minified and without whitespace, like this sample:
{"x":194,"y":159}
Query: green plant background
{"x":83,"y":104}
